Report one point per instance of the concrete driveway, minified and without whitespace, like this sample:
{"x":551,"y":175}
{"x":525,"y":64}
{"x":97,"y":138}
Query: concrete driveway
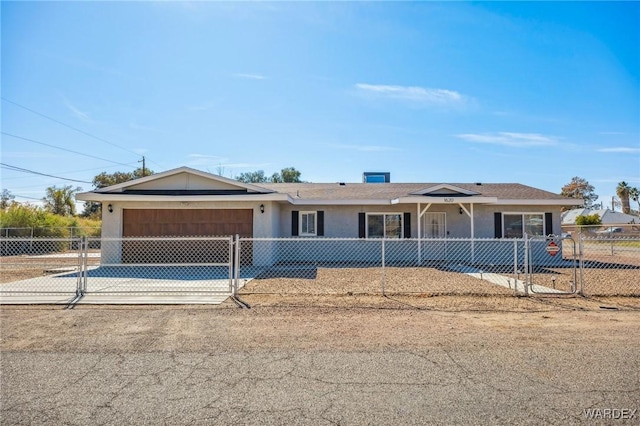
{"x":127,"y":285}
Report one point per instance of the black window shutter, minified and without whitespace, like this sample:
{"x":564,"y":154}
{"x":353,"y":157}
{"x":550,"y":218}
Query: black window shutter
{"x":407,"y":225}
{"x":320,"y":229}
{"x":497,"y":224}
{"x":362,"y":231}
{"x":548,"y":223}
{"x":294,"y":223}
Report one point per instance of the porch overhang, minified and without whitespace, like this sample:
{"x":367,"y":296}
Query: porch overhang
{"x":444,"y":200}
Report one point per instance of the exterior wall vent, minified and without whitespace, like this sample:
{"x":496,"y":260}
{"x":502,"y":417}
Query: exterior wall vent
{"x":376,"y":177}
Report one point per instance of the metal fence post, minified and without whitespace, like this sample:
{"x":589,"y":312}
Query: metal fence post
{"x":581,"y":262}
{"x":80,"y":267}
{"x":232,"y":244}
{"x":236,"y":262}
{"x":85,"y":266}
{"x":383,"y":264}
{"x":515,"y":267}
{"x":527,"y":266}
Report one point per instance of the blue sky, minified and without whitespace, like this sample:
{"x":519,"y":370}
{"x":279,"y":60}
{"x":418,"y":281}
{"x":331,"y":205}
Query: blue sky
{"x":534,"y":93}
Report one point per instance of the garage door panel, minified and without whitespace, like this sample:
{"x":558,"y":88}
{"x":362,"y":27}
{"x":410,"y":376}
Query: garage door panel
{"x":182,"y":223}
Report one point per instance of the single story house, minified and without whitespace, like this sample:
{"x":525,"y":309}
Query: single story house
{"x":189,"y":202}
{"x":607,"y":217}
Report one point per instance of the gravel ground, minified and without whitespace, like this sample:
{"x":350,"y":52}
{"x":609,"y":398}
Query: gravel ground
{"x":428,"y":281}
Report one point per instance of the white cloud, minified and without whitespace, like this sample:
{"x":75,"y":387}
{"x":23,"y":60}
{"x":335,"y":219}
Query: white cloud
{"x":368,"y":148}
{"x":622,"y":149}
{"x":80,"y":114}
{"x":424,"y":95}
{"x":521,"y":140}
{"x":251,"y":76}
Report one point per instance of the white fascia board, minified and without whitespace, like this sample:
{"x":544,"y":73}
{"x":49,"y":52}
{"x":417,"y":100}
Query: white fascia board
{"x":346,"y":202}
{"x":445,"y":200}
{"x":92,"y":196}
{"x":570,"y":202}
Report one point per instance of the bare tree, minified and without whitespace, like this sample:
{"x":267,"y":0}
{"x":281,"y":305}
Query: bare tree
{"x":580,"y":188}
{"x":634,"y":193}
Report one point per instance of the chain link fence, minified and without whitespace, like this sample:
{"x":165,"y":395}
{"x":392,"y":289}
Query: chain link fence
{"x":40,"y":266}
{"x":50,"y":232}
{"x":115,"y":267}
{"x":580,"y":263}
{"x":609,"y":258}
{"x":319,"y":266}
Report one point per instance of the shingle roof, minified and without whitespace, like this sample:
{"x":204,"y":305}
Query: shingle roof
{"x":388,"y":191}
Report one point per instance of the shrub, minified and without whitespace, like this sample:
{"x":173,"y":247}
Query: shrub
{"x":591,"y":219}
{"x":23,"y":219}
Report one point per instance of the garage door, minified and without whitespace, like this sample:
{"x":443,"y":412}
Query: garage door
{"x":182,"y":223}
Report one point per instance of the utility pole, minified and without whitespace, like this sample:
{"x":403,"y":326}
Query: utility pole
{"x":144,"y":168}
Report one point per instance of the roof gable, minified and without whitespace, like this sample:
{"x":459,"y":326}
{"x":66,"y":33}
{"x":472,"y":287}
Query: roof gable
{"x":444,"y":189}
{"x":183,"y":179}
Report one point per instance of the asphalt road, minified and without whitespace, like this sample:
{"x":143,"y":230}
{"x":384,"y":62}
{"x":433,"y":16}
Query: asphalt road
{"x":183,"y":366}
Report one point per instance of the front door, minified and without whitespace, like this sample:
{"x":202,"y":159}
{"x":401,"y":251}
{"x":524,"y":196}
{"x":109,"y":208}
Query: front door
{"x":434,"y":225}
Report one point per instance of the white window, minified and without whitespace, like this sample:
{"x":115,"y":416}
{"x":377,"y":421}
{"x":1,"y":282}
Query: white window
{"x":516,"y":224}
{"x":308,"y":223}
{"x":384,"y":225}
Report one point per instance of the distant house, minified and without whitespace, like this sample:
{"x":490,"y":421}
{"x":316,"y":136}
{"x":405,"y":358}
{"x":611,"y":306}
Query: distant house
{"x":608,"y":217}
{"x":189,"y":202}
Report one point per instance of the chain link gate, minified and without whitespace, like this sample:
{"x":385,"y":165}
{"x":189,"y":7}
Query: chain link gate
{"x":40,"y":270}
{"x":552,"y":266}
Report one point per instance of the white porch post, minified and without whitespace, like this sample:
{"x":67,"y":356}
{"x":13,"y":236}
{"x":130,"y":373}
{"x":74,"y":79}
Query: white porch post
{"x":473,"y":234}
{"x":420,"y":214}
{"x":419,"y":236}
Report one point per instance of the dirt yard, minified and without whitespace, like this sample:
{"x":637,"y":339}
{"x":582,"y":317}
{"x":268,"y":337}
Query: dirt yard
{"x":300,"y":322}
{"x":373,"y":360}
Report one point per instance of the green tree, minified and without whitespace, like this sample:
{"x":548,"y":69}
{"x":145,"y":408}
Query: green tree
{"x":290,"y":175}
{"x":591,"y":219}
{"x":61,"y":201}
{"x":6,"y":198}
{"x":580,"y":188}
{"x":104,"y":179}
{"x":623,"y":190}
{"x":253,"y":177}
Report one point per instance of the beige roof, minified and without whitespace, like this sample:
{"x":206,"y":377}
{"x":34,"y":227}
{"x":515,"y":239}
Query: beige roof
{"x":194,"y":185}
{"x":367,"y":191}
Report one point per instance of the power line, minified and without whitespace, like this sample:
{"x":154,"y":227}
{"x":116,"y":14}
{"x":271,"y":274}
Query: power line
{"x":28,"y":198}
{"x":66,"y":171}
{"x":69,"y":126}
{"x":64,"y":149}
{"x":20,"y":169}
